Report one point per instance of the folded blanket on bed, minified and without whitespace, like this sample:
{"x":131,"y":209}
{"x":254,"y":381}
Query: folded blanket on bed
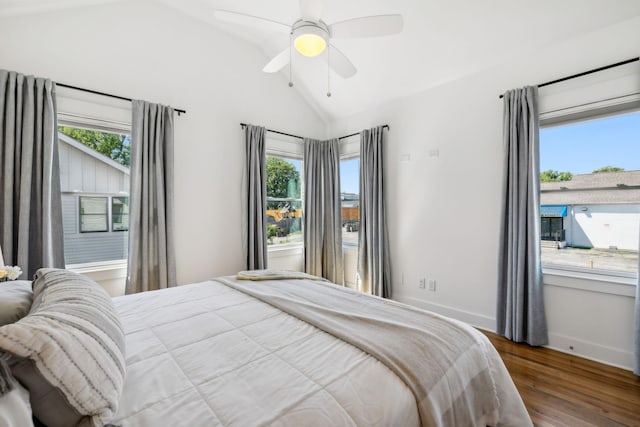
{"x":455,"y":374}
{"x":275,"y":275}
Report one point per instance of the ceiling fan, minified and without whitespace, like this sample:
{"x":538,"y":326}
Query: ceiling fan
{"x":310,"y":35}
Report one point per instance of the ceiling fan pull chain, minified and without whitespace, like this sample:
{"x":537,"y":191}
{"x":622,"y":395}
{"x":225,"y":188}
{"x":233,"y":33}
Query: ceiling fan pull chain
{"x":328,"y":71}
{"x":290,"y":60}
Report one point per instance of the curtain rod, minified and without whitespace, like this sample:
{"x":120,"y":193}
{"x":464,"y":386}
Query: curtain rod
{"x":358,"y":133}
{"x":300,"y":137}
{"x":584,"y":73}
{"x":177,"y":110}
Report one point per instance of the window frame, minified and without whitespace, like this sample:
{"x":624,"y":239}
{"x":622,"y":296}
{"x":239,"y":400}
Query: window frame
{"x":294,"y":150}
{"x":349,"y":150}
{"x":81,"y":214}
{"x":350,"y":156}
{"x":95,"y":123}
{"x":113,"y":223}
{"x":597,"y":280}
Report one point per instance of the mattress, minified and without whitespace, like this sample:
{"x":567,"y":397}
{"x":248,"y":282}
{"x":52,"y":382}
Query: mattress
{"x":209,"y":354}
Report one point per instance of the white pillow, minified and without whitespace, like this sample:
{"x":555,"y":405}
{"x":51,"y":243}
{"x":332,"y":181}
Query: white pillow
{"x":16,"y":297}
{"x":15,"y":409}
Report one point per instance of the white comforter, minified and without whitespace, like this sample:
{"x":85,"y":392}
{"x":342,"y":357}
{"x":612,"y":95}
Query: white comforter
{"x":206,"y":354}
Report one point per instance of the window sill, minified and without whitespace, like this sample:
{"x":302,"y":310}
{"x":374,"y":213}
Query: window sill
{"x":285,"y":250}
{"x":592,"y":282}
{"x":97,"y":267}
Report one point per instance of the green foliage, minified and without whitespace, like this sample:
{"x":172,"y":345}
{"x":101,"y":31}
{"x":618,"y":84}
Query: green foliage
{"x":555,"y":176}
{"x":272,"y":231}
{"x":114,"y":146}
{"x":608,"y":169}
{"x":283,"y":180}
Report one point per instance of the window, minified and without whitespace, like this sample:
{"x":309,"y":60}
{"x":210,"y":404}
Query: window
{"x":590,"y":194}
{"x":552,"y":228}
{"x":94,"y":179}
{"x":120,"y":213}
{"x":284,"y":201}
{"x":350,"y":200}
{"x":93,"y":214}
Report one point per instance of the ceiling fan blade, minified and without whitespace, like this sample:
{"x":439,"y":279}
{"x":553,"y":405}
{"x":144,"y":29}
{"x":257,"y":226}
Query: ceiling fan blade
{"x":251,"y":21}
{"x":311,"y":10}
{"x":367,"y":26}
{"x":278,"y":62}
{"x":340,"y":63}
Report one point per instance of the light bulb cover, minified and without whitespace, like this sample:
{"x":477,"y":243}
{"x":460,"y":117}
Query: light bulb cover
{"x":310,"y":38}
{"x":310,"y":44}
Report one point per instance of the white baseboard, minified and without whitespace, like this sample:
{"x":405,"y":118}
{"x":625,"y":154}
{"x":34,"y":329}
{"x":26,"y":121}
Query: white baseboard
{"x":479,"y":320}
{"x":586,"y":349}
{"x":593,"y":351}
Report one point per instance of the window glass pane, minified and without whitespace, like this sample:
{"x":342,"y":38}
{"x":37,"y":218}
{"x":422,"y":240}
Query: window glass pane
{"x":120,"y":213}
{"x":94,"y":179}
{"x":590,"y":194}
{"x":93,"y":214}
{"x":284,"y":201}
{"x":349,"y":195}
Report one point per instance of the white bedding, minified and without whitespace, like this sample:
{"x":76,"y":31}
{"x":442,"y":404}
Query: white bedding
{"x":206,"y":354}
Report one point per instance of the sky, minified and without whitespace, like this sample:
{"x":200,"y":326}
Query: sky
{"x":586,"y":146}
{"x":349,"y":176}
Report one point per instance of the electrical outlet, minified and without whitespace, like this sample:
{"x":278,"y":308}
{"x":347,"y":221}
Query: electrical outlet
{"x":422,"y":282}
{"x":432,"y":285}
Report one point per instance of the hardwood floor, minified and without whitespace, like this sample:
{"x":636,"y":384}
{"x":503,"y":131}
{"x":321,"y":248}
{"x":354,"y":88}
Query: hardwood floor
{"x":564,"y":390}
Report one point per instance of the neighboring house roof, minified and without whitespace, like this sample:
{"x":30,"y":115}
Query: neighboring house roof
{"x":593,"y":188}
{"x":93,"y":153}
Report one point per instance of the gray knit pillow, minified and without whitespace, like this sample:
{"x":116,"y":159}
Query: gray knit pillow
{"x":68,"y":351}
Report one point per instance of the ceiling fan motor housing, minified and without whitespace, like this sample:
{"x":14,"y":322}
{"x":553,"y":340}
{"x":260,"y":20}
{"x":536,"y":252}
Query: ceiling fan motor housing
{"x":310,"y":38}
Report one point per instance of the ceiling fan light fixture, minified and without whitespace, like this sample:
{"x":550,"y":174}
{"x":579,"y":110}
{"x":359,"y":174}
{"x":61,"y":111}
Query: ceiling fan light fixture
{"x":310,"y":44}
{"x":310,"y":39}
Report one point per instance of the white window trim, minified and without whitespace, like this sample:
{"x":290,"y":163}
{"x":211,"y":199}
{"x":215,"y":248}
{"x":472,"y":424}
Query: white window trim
{"x":587,"y":281}
{"x":290,"y":148}
{"x":600,"y":281}
{"x":99,"y":266}
{"x":112,"y":269}
{"x":350,"y":149}
{"x":286,"y":249}
{"x":350,"y":156}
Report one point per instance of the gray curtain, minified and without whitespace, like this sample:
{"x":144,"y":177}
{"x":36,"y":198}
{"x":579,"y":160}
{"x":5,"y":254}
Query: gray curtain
{"x":151,"y":263}
{"x":520,"y":304}
{"x":31,"y":233}
{"x":255,"y":198}
{"x":322,"y":210}
{"x":636,"y":353}
{"x":374,"y":267}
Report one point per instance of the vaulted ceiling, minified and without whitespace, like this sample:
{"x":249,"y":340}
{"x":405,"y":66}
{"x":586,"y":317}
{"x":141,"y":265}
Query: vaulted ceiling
{"x":442,"y":40}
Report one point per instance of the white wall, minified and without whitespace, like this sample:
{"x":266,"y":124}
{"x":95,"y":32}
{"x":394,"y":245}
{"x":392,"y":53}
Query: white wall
{"x":602,"y":226}
{"x":143,"y":50}
{"x":443,"y":173}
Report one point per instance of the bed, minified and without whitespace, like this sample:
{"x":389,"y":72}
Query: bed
{"x":293,"y":351}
